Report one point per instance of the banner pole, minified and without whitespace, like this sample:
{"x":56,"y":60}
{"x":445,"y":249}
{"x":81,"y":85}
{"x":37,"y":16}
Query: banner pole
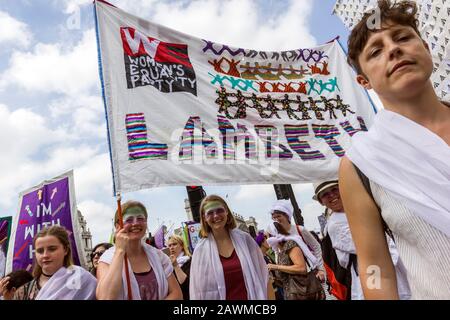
{"x":127,"y":272}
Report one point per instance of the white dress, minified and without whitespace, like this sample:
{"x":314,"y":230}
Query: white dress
{"x":341,"y":238}
{"x":424,"y":250}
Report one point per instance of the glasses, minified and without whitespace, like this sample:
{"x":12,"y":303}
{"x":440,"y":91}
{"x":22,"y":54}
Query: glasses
{"x":218,"y":211}
{"x":135,"y":219}
{"x":97,"y":253}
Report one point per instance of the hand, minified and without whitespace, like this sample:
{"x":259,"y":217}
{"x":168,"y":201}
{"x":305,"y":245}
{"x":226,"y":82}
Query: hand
{"x":272,"y":266}
{"x":320,"y":275}
{"x":122,"y":238}
{"x":173,"y":259}
{"x":7,"y":294}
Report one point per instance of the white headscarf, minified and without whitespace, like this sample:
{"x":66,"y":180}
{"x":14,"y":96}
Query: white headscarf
{"x":207,"y":281}
{"x":283,"y":205}
{"x":72,"y":283}
{"x":160,"y":263}
{"x":410,"y":162}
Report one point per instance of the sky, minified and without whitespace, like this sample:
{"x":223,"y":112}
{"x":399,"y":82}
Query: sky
{"x":51,"y":113}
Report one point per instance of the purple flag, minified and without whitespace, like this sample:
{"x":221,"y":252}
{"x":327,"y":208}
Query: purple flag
{"x":159,"y":237}
{"x":50,"y":203}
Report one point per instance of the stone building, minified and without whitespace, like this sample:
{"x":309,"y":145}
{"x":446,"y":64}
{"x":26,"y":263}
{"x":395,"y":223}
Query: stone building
{"x":86,"y":239}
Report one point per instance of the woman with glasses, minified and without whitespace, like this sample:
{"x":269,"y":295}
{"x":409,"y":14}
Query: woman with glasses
{"x":97,"y":252}
{"x":227,"y":263}
{"x":181,"y":262}
{"x":150,"y":270}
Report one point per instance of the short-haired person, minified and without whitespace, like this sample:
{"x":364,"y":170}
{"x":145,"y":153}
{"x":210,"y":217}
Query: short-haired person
{"x":404,"y":155}
{"x":327,"y":193}
{"x":181,"y":262}
{"x":227,"y":263}
{"x":55,"y":277}
{"x":150,"y":270}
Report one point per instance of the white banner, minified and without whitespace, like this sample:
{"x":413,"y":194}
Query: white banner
{"x":187,"y":111}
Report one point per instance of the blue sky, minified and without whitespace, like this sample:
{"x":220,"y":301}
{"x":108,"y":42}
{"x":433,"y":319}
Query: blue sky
{"x":51,"y":112}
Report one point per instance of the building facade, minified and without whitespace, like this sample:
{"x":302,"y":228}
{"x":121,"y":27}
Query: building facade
{"x":86,"y":239}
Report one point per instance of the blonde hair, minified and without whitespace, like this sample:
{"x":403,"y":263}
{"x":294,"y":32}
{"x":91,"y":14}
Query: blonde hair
{"x":63,"y":236}
{"x":204,"y":228}
{"x":180,"y":241}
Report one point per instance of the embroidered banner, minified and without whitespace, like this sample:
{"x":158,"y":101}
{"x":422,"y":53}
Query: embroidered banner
{"x":187,"y":111}
{"x":52,"y":202}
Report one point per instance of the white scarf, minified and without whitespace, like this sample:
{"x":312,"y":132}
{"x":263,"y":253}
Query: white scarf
{"x":72,"y":283}
{"x":410,"y":162}
{"x":160,"y":264}
{"x":207,"y":281}
{"x":277,"y":238}
{"x":274,"y":241}
{"x":182,"y":259}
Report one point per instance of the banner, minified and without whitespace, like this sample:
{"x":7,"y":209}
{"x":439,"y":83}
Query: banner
{"x":5,"y":232}
{"x":193,"y":229}
{"x":187,"y":111}
{"x":52,"y":202}
{"x":434,"y":27}
{"x":159,"y":237}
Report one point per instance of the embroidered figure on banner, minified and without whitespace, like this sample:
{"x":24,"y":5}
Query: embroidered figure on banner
{"x":235,"y":105}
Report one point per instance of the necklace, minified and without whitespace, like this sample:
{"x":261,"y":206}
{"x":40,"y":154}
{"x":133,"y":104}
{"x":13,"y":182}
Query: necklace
{"x":46,"y":275}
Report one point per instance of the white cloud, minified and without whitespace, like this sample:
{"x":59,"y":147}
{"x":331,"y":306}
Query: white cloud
{"x":54,"y":68}
{"x":24,"y":134}
{"x":99,"y":218}
{"x":250,"y":192}
{"x":87,"y":114}
{"x":310,"y":213}
{"x":93,"y":177}
{"x":233,"y":22}
{"x":13,"y":32}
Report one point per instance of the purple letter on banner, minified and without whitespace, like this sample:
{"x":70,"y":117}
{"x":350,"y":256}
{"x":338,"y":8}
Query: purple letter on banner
{"x":46,"y":205}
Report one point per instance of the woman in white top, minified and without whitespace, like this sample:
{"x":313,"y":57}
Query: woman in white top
{"x":227,"y":263}
{"x":405,"y":156}
{"x":150,"y":270}
{"x":55,"y":277}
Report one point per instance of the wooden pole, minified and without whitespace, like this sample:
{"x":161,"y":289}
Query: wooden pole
{"x":127,"y":272}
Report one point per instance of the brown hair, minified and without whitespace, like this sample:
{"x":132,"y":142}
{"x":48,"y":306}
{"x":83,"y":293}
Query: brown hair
{"x":204,"y":228}
{"x":401,"y":13}
{"x":63,"y":236}
{"x":129,"y":204}
{"x":180,"y":241}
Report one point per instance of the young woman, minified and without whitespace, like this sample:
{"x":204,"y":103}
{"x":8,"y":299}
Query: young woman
{"x":181,"y":262}
{"x":54,"y":275}
{"x":291,"y":261}
{"x":150,"y":270}
{"x":227,"y":264}
{"x":404,"y":157}
{"x":97,"y":252}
